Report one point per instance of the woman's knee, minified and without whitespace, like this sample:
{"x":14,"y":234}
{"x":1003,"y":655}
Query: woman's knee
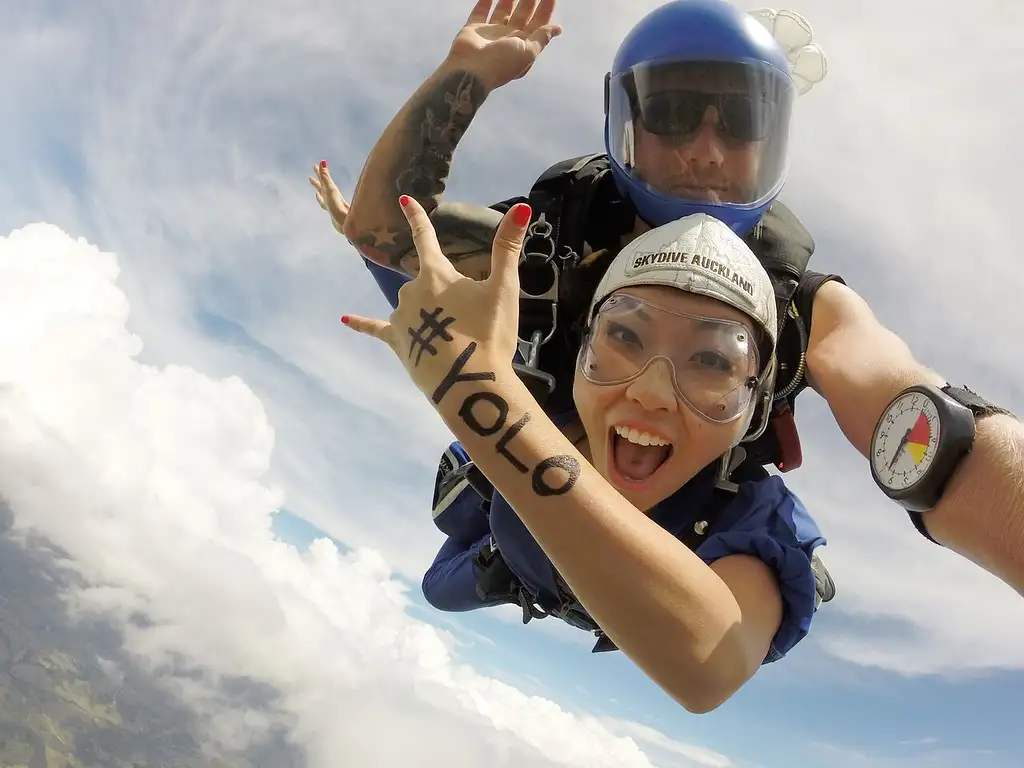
{"x":450,"y":584}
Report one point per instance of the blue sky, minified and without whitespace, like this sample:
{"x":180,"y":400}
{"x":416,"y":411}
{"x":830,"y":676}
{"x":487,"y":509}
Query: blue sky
{"x":203,"y":354}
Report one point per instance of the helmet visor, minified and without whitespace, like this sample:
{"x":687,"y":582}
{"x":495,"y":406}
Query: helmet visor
{"x":702,"y":131}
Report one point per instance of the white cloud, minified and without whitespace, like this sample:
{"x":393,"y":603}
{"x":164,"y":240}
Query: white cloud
{"x":152,"y":479}
{"x":185,"y":143}
{"x":670,"y":752}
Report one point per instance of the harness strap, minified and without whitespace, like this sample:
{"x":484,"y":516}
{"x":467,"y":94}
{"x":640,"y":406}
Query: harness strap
{"x":784,"y":247}
{"x":497,"y":580}
{"x":565,"y":203}
{"x":574,"y":203}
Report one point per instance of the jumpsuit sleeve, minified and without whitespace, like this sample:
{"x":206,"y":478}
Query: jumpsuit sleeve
{"x":769,"y":522}
{"x":388,"y":281}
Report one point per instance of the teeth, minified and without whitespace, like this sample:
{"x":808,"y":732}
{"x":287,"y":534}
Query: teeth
{"x":638,"y":437}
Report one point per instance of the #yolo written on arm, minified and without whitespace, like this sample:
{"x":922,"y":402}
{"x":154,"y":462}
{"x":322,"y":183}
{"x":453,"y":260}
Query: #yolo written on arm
{"x":435,"y":326}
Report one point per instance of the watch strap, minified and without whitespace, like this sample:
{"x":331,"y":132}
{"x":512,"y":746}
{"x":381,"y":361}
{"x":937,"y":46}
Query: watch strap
{"x":918,"y":520}
{"x":971,"y":400}
{"x":978,"y":406}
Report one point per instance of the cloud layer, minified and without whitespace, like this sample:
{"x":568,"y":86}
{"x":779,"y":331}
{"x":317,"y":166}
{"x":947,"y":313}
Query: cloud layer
{"x":152,"y":479}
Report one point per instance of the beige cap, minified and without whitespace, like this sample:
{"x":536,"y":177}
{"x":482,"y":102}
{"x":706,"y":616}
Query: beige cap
{"x":698,"y":254}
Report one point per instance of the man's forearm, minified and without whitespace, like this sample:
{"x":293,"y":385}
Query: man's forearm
{"x":663,"y":607}
{"x":413,"y":157}
{"x":858,"y":366}
{"x":981,"y":515}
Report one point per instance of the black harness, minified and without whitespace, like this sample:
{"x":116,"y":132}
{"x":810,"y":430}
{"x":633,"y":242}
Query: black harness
{"x":575,"y":204}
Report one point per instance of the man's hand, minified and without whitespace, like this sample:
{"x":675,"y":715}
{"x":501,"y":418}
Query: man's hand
{"x":414,"y":154}
{"x":502,"y":45}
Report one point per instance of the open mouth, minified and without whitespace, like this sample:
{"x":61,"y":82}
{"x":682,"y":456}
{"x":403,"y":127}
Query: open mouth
{"x":636,"y":455}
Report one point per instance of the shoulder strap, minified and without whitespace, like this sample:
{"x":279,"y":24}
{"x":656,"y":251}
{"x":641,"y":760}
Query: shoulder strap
{"x":784,"y":247}
{"x":565,"y":195}
{"x":567,"y":210}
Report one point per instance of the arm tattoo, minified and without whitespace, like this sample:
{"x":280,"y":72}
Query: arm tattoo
{"x":436,"y":124}
{"x":564,"y":467}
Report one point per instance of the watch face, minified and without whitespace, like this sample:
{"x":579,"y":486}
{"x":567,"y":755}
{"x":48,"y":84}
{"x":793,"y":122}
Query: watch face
{"x":905,"y":441}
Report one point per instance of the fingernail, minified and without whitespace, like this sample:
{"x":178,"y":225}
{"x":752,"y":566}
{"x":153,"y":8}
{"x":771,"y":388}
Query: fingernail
{"x":323,"y":163}
{"x":521,"y":215}
{"x":344,"y":319}
{"x":403,"y":200}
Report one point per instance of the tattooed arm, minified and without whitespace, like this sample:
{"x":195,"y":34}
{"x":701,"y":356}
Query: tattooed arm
{"x":413,"y":157}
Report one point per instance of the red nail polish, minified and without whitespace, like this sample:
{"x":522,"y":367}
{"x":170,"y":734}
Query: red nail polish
{"x":521,"y":215}
{"x":403,"y":200}
{"x":323,"y":163}
{"x":344,"y":319}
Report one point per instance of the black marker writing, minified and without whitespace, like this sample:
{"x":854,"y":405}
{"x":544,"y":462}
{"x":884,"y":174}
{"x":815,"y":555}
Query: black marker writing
{"x":507,"y":438}
{"x":472,"y":412}
{"x":431,"y":329}
{"x":567,"y":464}
{"x":455,"y":375}
{"x":467,"y":415}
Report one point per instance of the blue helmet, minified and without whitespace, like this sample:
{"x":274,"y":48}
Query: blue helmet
{"x":667,"y":155}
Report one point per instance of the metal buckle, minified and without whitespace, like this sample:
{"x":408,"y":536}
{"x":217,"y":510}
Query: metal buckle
{"x":541,"y":230}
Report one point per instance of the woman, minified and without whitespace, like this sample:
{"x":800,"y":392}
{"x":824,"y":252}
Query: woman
{"x":678,"y":354}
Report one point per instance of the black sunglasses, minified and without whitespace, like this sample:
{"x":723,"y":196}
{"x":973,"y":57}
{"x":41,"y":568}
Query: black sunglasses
{"x":741,"y":116}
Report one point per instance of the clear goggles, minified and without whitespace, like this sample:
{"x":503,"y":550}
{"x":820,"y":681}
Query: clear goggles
{"x":714,"y":362}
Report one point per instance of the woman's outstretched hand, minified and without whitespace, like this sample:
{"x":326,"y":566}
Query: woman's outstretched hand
{"x":448,"y":328}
